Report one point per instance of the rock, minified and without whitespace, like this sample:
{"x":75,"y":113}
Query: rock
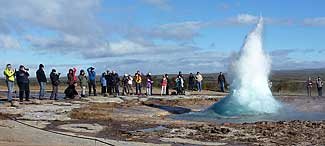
{"x":83,"y":128}
{"x":15,"y":104}
{"x":62,"y":103}
{"x":129,"y":98}
{"x":191,"y":142}
{"x":99,"y":99}
{"x":143,"y":99}
{"x":36,"y":101}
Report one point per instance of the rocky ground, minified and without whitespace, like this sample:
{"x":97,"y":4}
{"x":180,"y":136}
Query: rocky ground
{"x":132,"y":120}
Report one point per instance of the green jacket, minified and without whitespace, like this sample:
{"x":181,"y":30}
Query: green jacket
{"x":83,"y":81}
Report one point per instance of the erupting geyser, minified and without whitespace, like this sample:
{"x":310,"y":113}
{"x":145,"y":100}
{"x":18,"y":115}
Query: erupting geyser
{"x":250,"y":93}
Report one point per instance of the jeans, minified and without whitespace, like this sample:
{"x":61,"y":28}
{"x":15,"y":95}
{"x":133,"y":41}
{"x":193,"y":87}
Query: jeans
{"x":163,"y":90}
{"x":83,"y":90}
{"x":320,"y":91}
{"x":191,"y":86}
{"x":92,"y":84}
{"x":23,"y":88}
{"x":42,"y":89}
{"x":54,"y":93}
{"x":138,"y":88}
{"x":10,"y":85}
{"x":222,"y":86}
{"x":199,"y":86}
{"x":148,"y":91}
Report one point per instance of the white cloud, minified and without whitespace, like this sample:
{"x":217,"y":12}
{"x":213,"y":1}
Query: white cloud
{"x":177,"y":31}
{"x":314,"y":21}
{"x":8,"y":42}
{"x":161,"y":4}
{"x":244,"y":19}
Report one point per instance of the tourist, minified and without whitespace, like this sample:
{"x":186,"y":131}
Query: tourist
{"x":221,"y":82}
{"x":9,"y":73}
{"x":23,"y":83}
{"x":92,"y":80}
{"x":55,"y":80}
{"x":116,"y":83}
{"x":130,"y":83}
{"x":71,"y":76}
{"x":103,"y":83}
{"x":41,"y":78}
{"x":125,"y":84}
{"x":319,"y":84}
{"x":309,"y":85}
{"x":108,"y":78}
{"x":199,"y":79}
{"x":71,"y":91}
{"x":168,"y":84}
{"x":138,"y":81}
{"x":191,"y":80}
{"x":83,"y":81}
{"x":163,"y":85}
{"x":149,"y":85}
{"x":178,"y":84}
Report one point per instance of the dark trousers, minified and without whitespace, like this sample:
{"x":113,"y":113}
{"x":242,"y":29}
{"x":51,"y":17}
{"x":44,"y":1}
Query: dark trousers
{"x":320,"y":91}
{"x":103,"y":89}
{"x":55,"y":90}
{"x":308,"y":91}
{"x":92,"y":84}
{"x":126,"y":90}
{"x":23,"y":89}
{"x":109,"y":89}
{"x":138,"y":88}
{"x":117,"y":89}
{"x":191,"y":86}
{"x":167,"y":90}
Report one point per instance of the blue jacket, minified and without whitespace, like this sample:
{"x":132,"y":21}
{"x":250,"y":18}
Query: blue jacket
{"x":103,"y":81}
{"x":91,"y":75}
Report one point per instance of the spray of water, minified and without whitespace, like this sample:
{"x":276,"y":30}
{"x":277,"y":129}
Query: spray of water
{"x":250,"y":93}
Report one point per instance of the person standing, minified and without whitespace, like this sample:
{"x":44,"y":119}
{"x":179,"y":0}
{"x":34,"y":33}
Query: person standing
{"x":168,"y":84}
{"x":130,"y":83}
{"x":199,"y":79}
{"x":83,"y":81}
{"x":221,"y":82}
{"x":55,"y":80}
{"x":319,"y":84}
{"x":108,"y":78}
{"x":92,"y":80}
{"x":41,"y":78}
{"x":116,"y":83}
{"x":103,"y":83}
{"x":163,"y":85}
{"x":191,"y":80}
{"x":309,"y":85}
{"x":178,"y":82}
{"x":149,"y":85}
{"x":125,"y":84}
{"x":138,"y":81}
{"x":71,"y":76}
{"x":9,"y":73}
{"x":23,"y":83}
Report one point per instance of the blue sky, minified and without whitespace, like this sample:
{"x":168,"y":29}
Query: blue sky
{"x":157,"y":36}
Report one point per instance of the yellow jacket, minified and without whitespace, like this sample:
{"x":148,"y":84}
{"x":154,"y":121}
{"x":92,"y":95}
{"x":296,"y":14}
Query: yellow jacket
{"x":10,"y":74}
{"x":138,"y":79}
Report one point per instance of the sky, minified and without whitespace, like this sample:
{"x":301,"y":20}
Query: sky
{"x":157,"y":36}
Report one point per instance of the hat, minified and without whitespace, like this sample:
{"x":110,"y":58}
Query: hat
{"x":21,"y":66}
{"x":126,"y":75}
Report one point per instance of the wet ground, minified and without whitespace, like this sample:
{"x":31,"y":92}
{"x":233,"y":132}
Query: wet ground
{"x":141,"y":120}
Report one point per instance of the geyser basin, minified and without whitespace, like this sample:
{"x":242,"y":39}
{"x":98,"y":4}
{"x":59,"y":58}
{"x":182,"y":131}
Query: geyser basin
{"x":294,"y":108}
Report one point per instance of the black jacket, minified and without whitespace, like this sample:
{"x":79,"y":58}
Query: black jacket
{"x":22,"y":77}
{"x":55,"y":78}
{"x":41,"y":76}
{"x":115,"y":79}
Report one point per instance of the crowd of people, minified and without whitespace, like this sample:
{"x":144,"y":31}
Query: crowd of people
{"x":110,"y":83}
